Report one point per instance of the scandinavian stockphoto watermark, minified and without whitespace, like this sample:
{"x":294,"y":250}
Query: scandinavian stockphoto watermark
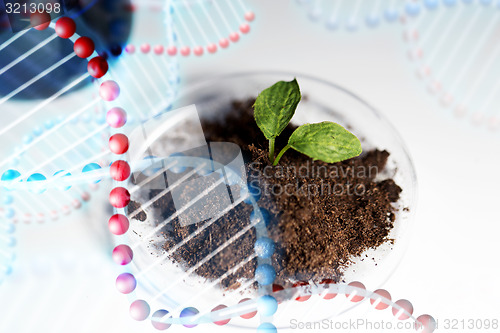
{"x":366,"y":325}
{"x":360,"y":324}
{"x":332,"y":179}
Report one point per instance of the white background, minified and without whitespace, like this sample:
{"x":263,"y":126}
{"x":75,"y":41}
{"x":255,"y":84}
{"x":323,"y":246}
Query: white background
{"x":64,"y":278}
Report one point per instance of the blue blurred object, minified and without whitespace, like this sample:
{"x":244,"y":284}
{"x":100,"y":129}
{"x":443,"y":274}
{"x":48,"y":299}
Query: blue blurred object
{"x":265,"y":274}
{"x":264,"y":247}
{"x":7,"y":240}
{"x":267,"y":328}
{"x":265,"y":215}
{"x":267,"y":305}
{"x":107,"y":22}
{"x":354,"y":15}
{"x":431,"y":4}
{"x":450,"y":3}
{"x":412,"y":9}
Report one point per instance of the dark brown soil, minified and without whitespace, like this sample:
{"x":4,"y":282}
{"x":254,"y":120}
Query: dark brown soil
{"x":328,"y":214}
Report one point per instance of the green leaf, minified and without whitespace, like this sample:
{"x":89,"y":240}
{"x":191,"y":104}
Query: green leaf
{"x":326,"y":141}
{"x":275,"y":106}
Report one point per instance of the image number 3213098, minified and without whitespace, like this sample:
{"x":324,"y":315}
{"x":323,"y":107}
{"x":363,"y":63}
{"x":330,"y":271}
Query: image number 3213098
{"x":32,"y":8}
{"x":19,"y":12}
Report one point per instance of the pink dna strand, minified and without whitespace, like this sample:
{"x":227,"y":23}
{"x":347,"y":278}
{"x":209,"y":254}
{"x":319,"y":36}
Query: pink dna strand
{"x":119,"y":224}
{"x":116,"y":117}
{"x":454,"y":49}
{"x":205,"y":26}
{"x":166,"y":295}
{"x":40,"y":154}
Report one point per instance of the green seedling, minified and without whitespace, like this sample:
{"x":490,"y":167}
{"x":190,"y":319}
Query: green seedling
{"x":325,"y":141}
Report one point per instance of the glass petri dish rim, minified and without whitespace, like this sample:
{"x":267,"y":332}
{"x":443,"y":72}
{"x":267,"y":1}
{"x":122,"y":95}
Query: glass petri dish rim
{"x":191,"y":88}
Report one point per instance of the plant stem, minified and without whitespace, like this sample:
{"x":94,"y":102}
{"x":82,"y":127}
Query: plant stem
{"x":280,"y":154}
{"x":271,"y":149}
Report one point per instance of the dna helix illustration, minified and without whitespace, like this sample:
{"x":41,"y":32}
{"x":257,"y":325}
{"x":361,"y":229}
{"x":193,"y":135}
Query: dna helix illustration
{"x":455,"y":55}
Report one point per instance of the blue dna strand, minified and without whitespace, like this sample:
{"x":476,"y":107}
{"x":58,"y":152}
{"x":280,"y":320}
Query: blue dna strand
{"x":353,"y":15}
{"x":201,"y":176}
{"x":7,"y":242}
{"x":41,"y":139}
{"x":54,"y":142}
{"x":455,"y":50}
{"x":28,"y":53}
{"x":204,"y":183}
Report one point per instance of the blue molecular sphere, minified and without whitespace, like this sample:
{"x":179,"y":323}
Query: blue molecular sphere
{"x":255,"y":218}
{"x":267,"y":328}
{"x":10,"y":175}
{"x":265,"y":274}
{"x":8,"y":199}
{"x":186,"y":313}
{"x":36,"y":177}
{"x":486,"y":2}
{"x":9,"y":228}
{"x":48,"y":124}
{"x":27,"y":139}
{"x":253,"y":191}
{"x":91,"y":167}
{"x":157,"y":318}
{"x":315,"y":14}
{"x":352,"y":25}
{"x":431,"y":4}
{"x":65,"y":188}
{"x":10,"y":213}
{"x":101,"y":119}
{"x":11,"y":242}
{"x":372,"y":20}
{"x":332,"y":24}
{"x":412,"y":9}
{"x":264,"y":247}
{"x":37,"y":131}
{"x":391,"y":15}
{"x":267,"y":305}
{"x":7,"y":270}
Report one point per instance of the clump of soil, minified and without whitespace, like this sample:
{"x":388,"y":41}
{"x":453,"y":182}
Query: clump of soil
{"x":323,"y":214}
